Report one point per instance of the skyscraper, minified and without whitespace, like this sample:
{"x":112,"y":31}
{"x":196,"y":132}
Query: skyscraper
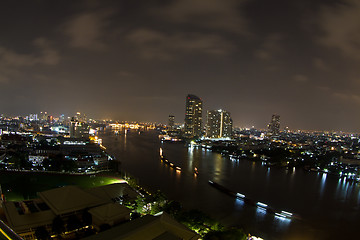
{"x":171,"y":122}
{"x":193,"y":116}
{"x":274,"y":125}
{"x":219,"y":124}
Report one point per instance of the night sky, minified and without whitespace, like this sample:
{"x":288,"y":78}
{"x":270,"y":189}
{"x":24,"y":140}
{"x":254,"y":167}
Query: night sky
{"x":137,"y":60}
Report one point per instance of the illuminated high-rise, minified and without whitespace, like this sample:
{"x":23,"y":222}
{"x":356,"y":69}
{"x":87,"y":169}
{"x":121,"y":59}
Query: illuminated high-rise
{"x":274,"y":125}
{"x":193,"y":116}
{"x":219,"y":124}
{"x":171,"y":123}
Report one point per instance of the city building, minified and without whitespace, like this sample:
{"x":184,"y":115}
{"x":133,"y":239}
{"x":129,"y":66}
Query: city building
{"x":219,"y":124}
{"x":32,"y":117}
{"x":78,"y":126}
{"x":193,"y":116}
{"x":43,"y":116}
{"x":274,"y":125}
{"x":171,"y":122}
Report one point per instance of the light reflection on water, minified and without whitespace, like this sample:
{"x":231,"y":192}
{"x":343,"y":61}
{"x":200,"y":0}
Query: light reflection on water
{"x":322,"y":184}
{"x":260,"y":213}
{"x":218,"y":167}
{"x":267,"y":173}
{"x":190,"y":158}
{"x":239,"y":204}
{"x":282,"y":222}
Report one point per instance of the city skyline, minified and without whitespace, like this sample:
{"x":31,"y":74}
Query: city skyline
{"x":136,"y":61}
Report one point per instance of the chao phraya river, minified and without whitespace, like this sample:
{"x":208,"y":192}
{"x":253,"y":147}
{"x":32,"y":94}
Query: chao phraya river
{"x":326,"y":207}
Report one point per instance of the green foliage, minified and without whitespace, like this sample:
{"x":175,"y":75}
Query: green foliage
{"x":173,"y":208}
{"x":158,"y":201}
{"x":198,"y":221}
{"x":139,"y":204}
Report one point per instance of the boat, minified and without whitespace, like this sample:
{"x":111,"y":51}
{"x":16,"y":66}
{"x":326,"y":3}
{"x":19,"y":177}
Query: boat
{"x":259,"y":205}
{"x":222,"y":188}
{"x":284,"y":214}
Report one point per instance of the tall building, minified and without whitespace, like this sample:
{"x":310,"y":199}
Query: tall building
{"x":219,"y":124}
{"x":171,"y":123}
{"x":43,"y":116}
{"x":274,"y":125}
{"x":193,"y":116}
{"x":78,"y":127}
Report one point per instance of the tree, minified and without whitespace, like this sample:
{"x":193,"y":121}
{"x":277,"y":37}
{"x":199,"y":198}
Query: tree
{"x":173,"y":208}
{"x":158,"y":202}
{"x":139,"y":204}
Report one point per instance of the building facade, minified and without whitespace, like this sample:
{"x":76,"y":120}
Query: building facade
{"x":219,"y":124}
{"x":78,"y":129}
{"x":193,"y":117}
{"x":171,"y":123}
{"x":274,"y":125}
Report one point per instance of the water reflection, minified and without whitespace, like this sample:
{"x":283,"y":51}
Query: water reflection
{"x":177,"y":174}
{"x":218,"y":165}
{"x":322,"y":184}
{"x":190,"y":157}
{"x":125,"y":134}
{"x":260,"y":213}
{"x":338,"y":187}
{"x":267,"y":174}
{"x":282,"y":222}
{"x":239,"y":204}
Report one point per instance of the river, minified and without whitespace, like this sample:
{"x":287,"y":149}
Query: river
{"x":326,"y":207}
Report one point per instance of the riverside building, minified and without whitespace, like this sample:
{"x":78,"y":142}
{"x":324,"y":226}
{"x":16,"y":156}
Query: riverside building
{"x":193,"y":116}
{"x":219,"y":124}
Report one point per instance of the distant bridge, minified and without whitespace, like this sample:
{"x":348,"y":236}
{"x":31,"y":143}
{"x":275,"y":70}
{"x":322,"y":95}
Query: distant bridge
{"x":131,"y":126}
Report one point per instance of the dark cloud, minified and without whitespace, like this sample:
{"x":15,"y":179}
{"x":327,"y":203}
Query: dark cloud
{"x":340,"y":24}
{"x":320,"y":64}
{"x":300,"y":78}
{"x":88,"y":30}
{"x":154,"y":44}
{"x":208,"y":14}
{"x":12,"y":63}
{"x":271,"y":46}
